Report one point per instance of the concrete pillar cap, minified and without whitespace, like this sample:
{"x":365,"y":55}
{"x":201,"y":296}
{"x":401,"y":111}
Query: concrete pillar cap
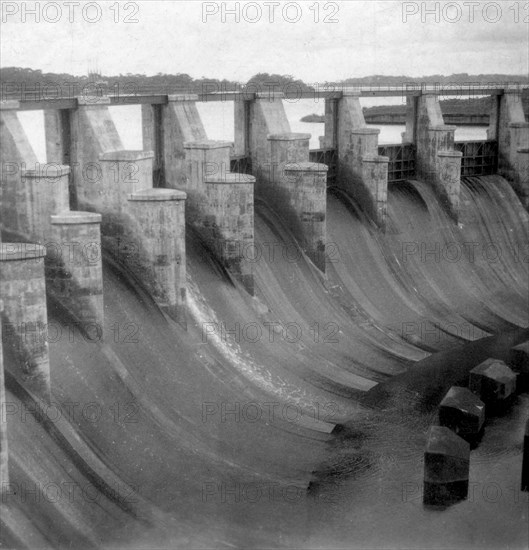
{"x":93,"y":101}
{"x":9,"y":104}
{"x":289,"y":136}
{"x":207,"y":144}
{"x":365,"y":131}
{"x":50,"y":170}
{"x":441,"y":128}
{"x":182,"y":97}
{"x":375,"y":158}
{"x":350,"y":93}
{"x":74,"y":217}
{"x":126,"y":155}
{"x":306,"y":167}
{"x":157,"y":194}
{"x":230,"y":177}
{"x":451,"y":154}
{"x":21,"y":251}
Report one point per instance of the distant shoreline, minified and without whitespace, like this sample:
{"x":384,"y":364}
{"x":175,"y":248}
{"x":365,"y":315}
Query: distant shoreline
{"x":463,"y":112}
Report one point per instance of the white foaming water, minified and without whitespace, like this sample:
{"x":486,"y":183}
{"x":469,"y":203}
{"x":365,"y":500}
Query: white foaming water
{"x":217,"y":118}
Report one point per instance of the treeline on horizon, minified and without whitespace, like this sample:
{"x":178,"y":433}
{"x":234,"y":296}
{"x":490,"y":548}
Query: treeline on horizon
{"x":13,"y":78}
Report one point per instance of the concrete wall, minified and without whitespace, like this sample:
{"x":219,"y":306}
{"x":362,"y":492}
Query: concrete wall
{"x":16,"y":154}
{"x":24,"y":319}
{"x":159,"y":228}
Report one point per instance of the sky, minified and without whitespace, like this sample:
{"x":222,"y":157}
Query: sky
{"x":315,"y":41}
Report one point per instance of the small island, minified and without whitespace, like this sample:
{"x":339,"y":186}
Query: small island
{"x":313,"y":118}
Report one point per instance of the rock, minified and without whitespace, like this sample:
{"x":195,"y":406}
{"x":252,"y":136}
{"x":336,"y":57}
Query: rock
{"x":494,"y":382}
{"x":518,"y":361}
{"x":446,"y":467}
{"x":462,"y":412}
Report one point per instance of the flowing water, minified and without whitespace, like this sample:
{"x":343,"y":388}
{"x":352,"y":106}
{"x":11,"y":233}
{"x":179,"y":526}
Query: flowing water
{"x":219,"y":436}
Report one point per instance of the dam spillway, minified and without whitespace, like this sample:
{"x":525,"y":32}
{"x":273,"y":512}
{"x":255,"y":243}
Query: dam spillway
{"x":278,"y":389}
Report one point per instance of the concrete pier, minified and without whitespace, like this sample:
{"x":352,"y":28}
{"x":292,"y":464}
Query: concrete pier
{"x":16,"y":154}
{"x":303,"y":197}
{"x":74,"y":273}
{"x":93,"y":133}
{"x":297,"y":190}
{"x":4,"y":468}
{"x":159,"y":226}
{"x":267,"y":116}
{"x":227,"y":223}
{"x":362,"y":173}
{"x":203,"y":159}
{"x":436,"y":161}
{"x":47,"y":185}
{"x":122,"y":173}
{"x":24,"y":320}
{"x":509,"y":128}
{"x":166,"y":129}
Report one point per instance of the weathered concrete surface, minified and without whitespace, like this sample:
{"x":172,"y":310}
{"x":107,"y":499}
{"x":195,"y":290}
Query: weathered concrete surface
{"x":510,"y":129}
{"x":181,"y":123}
{"x":493,"y":381}
{"x":267,"y":116}
{"x":57,"y":134}
{"x":331,"y":124}
{"x":227,"y":223}
{"x":303,"y":199}
{"x":16,"y":154}
{"x":426,"y":129}
{"x":47,"y":185}
{"x":158,"y":217}
{"x":92,"y":134}
{"x":518,"y":361}
{"x":4,"y":469}
{"x":361,"y":172}
{"x":446,"y":467}
{"x":297,"y":190}
{"x":525,"y":462}
{"x":74,"y":273}
{"x":462,"y":412}
{"x":203,"y":159}
{"x":24,"y":319}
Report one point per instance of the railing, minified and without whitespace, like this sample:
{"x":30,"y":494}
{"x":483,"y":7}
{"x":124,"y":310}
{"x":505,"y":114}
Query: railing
{"x":328,"y":157}
{"x":480,"y":158}
{"x":401,"y":161}
{"x":47,"y":97}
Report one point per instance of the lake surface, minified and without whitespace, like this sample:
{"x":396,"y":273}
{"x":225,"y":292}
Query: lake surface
{"x":217,"y":118}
